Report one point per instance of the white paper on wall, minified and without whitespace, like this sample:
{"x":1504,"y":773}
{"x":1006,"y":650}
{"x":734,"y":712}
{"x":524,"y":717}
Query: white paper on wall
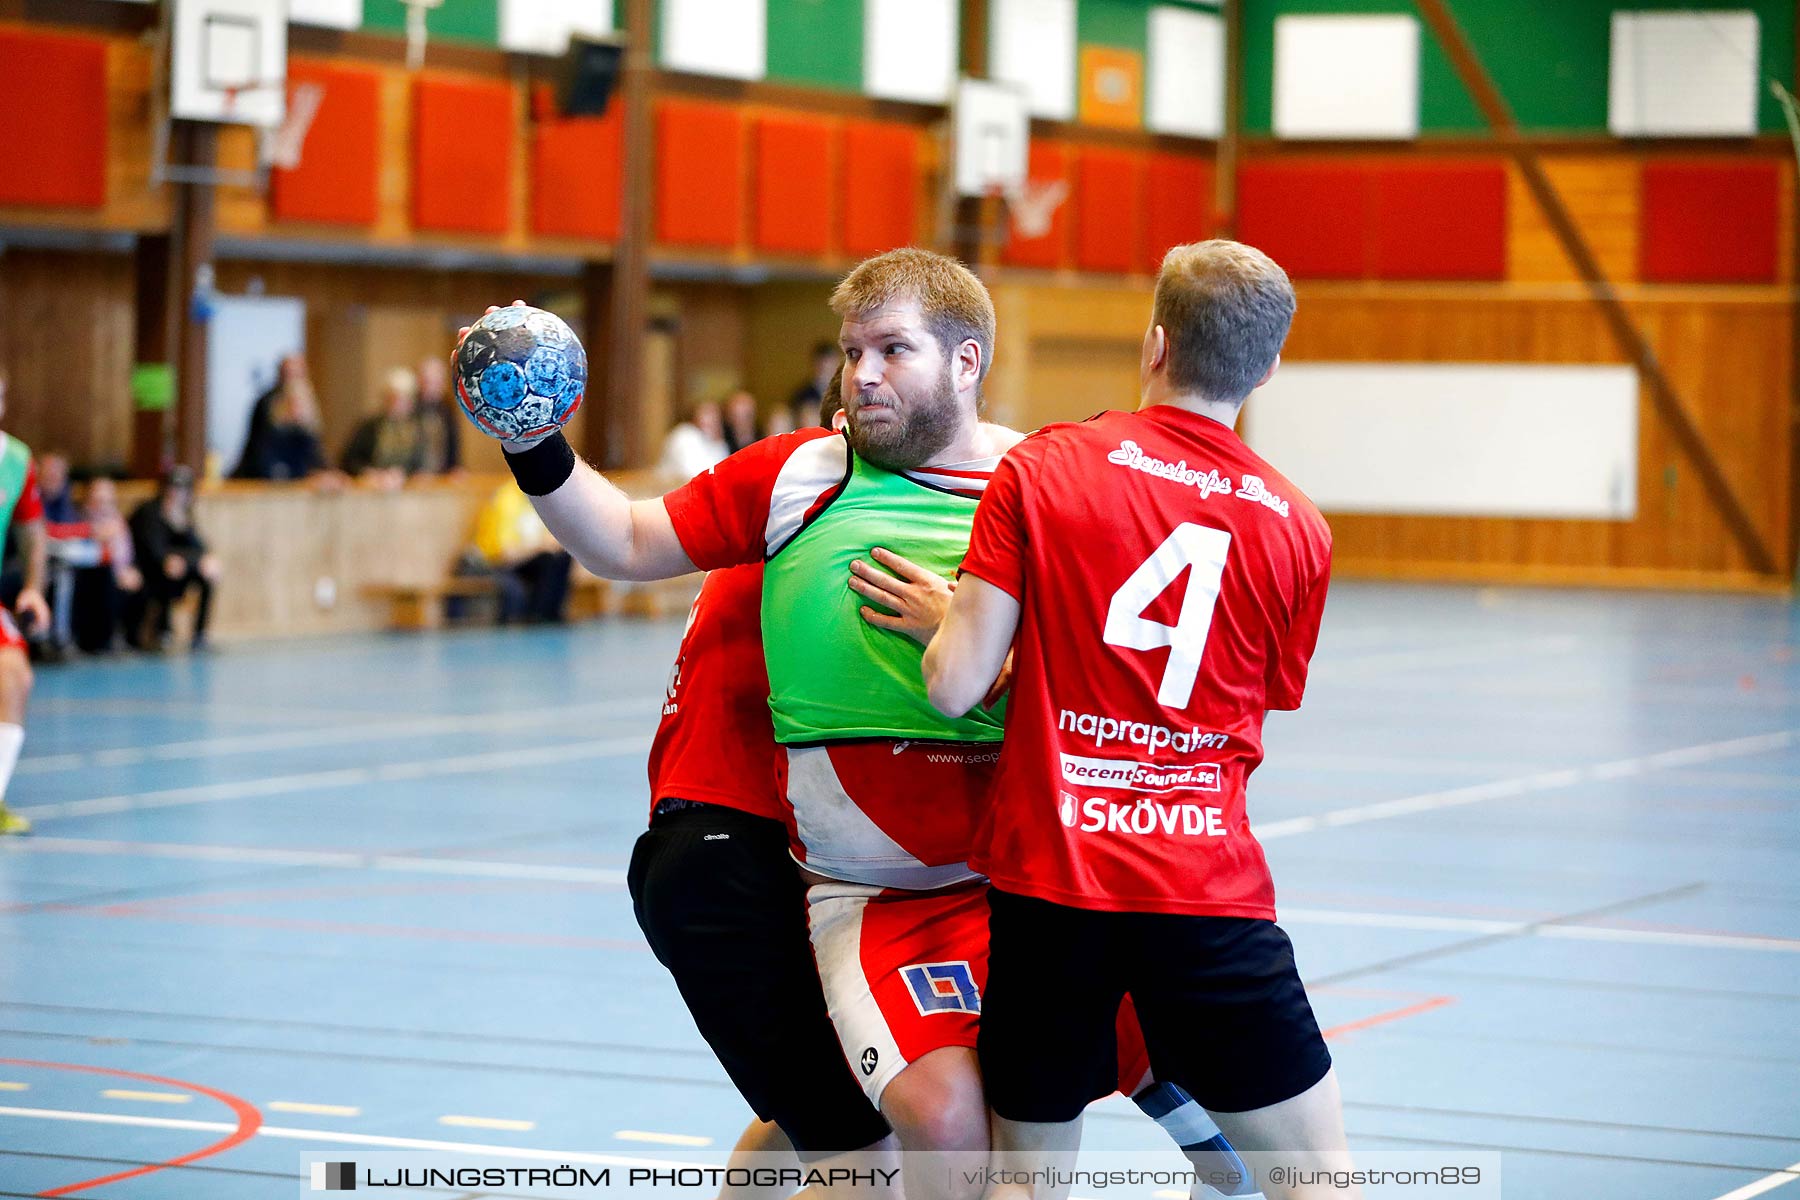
{"x":1347,"y":76}
{"x":332,"y":14}
{"x":1464,"y":439}
{"x":716,"y":37}
{"x":1186,"y":72}
{"x":544,"y":26}
{"x":1683,"y":73}
{"x":910,"y":49}
{"x":1032,"y":43}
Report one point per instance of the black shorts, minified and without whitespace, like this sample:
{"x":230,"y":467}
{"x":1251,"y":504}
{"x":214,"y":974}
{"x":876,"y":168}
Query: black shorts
{"x":723,"y":907}
{"x":1222,"y":1007}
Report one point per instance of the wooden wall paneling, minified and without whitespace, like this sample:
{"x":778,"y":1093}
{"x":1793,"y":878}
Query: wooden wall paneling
{"x":66,"y":343}
{"x":1065,"y":352}
{"x":1601,"y":192}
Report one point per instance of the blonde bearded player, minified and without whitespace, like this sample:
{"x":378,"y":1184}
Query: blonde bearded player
{"x":899,"y":920}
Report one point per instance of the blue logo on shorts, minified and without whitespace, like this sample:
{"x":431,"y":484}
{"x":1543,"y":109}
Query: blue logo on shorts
{"x":942,"y":987}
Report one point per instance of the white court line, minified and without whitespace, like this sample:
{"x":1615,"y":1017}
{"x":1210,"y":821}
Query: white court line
{"x":279,"y":785}
{"x":344,"y":860}
{"x":509,"y":1124}
{"x":338,"y":1137}
{"x":1767,"y":1183}
{"x":1566,"y":932}
{"x":662,"y":1139}
{"x":336,"y":735}
{"x":1544,"y":781}
{"x":315,"y":1110}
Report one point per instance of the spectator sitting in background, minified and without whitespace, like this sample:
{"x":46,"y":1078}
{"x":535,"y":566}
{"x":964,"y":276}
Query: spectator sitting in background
{"x":513,"y":547}
{"x":251,"y":463}
{"x":287,"y":445}
{"x":803,"y":406}
{"x":173,"y":558}
{"x":110,"y":588}
{"x":741,"y":427}
{"x":696,"y":444}
{"x":54,"y":488}
{"x":390,"y":445}
{"x":441,"y":416}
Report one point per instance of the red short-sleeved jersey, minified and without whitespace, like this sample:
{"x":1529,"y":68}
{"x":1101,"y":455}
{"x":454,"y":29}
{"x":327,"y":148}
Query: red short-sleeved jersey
{"x":31,"y":502}
{"x":715,"y":743}
{"x":1171,"y":585}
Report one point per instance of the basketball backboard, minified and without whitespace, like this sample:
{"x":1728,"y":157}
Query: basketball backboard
{"x":991,"y":127}
{"x":228,"y":61}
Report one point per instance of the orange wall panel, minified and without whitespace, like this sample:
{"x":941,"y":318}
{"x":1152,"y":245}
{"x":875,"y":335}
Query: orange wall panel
{"x":577,"y":175}
{"x":1710,"y":221}
{"x":463,"y":134}
{"x":794,"y":181}
{"x":340,"y":162}
{"x":700,"y":171}
{"x":1049,"y":164}
{"x":879,"y":182}
{"x":1440,"y":220}
{"x":1109,"y":209}
{"x":1178,"y":204}
{"x":52,"y":119}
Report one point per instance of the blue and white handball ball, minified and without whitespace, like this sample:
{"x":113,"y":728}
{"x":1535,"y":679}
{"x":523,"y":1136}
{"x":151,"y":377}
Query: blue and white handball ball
{"x":520,"y":373}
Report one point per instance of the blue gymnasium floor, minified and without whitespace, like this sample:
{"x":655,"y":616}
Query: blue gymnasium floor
{"x":1539,"y":852}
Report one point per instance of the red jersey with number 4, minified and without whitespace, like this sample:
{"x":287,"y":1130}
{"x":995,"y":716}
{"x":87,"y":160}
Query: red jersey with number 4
{"x":716,"y":743}
{"x":1171,"y":584}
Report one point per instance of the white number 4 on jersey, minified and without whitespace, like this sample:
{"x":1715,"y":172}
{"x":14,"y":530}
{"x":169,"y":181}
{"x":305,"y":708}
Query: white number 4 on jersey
{"x":1196,"y":546}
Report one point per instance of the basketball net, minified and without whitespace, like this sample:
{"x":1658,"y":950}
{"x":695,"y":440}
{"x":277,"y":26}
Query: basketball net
{"x":1032,"y":206}
{"x":415,"y":30}
{"x":281,"y":146}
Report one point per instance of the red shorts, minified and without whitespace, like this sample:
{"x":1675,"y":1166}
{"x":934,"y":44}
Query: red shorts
{"x":10,"y":637}
{"x":903,"y":973}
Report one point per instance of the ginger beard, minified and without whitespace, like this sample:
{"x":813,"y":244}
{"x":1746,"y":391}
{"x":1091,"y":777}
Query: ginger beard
{"x":899,"y":432}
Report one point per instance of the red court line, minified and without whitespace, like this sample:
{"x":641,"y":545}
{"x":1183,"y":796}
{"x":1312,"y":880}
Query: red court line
{"x":1382,"y":1018}
{"x":249,"y":1120}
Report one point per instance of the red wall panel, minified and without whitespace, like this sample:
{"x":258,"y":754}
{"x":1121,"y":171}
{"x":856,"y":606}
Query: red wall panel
{"x":1440,"y":220}
{"x":52,"y":119}
{"x":1705,"y":221}
{"x":1178,"y":205}
{"x":337,"y":181}
{"x":576,"y":176}
{"x":463,"y":132}
{"x":1049,"y":162}
{"x":879,"y":182}
{"x":1311,"y":216}
{"x":1109,"y":210}
{"x":700,"y":173}
{"x":794,"y":180}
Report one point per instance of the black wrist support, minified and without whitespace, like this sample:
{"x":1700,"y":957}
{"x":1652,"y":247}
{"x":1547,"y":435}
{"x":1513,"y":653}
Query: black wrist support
{"x":545,"y":467}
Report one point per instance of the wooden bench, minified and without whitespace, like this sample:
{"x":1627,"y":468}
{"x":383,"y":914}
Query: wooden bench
{"x":423,"y":605}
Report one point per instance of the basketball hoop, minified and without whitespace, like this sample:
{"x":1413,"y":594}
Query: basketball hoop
{"x":1031,"y":207}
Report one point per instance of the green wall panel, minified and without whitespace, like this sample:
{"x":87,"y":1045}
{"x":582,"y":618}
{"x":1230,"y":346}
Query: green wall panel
{"x":1549,"y":58}
{"x":1120,"y":23}
{"x":457,"y":20}
{"x":817,"y":42}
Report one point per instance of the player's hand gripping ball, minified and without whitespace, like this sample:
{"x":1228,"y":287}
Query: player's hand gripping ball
{"x":520,"y":373}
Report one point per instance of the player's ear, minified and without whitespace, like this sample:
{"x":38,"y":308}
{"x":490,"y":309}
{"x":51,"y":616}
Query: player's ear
{"x":968,"y":364}
{"x":1156,"y":349}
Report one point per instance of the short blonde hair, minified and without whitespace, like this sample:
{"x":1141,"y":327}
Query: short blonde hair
{"x":954,"y":303}
{"x":1226,"y":308}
